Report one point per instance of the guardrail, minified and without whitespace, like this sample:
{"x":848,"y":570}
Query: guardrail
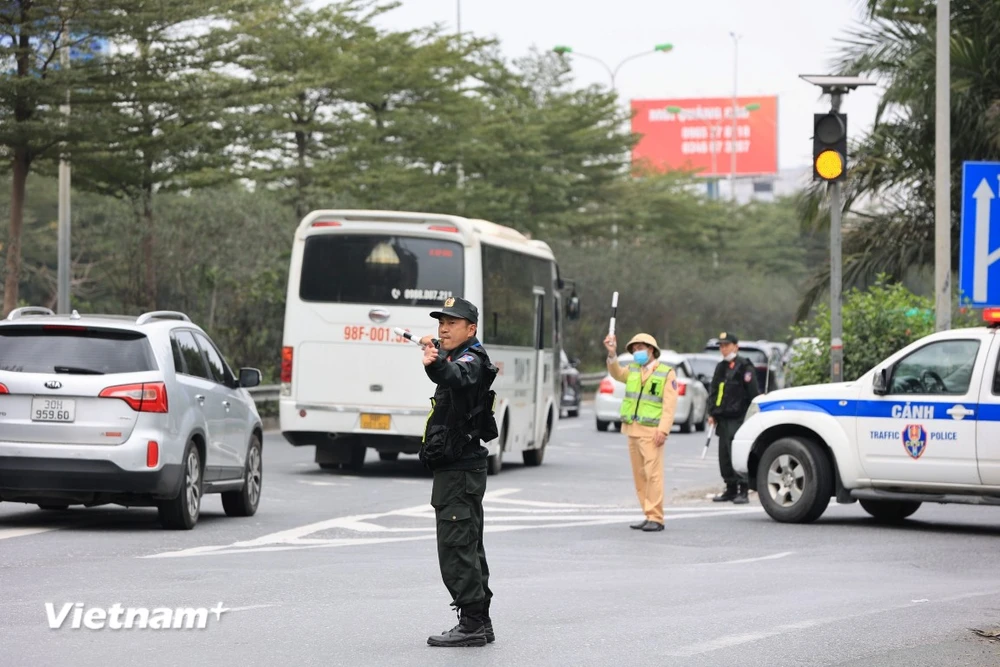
{"x":265,"y":393}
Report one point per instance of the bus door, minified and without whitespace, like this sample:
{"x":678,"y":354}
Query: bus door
{"x":541,"y":375}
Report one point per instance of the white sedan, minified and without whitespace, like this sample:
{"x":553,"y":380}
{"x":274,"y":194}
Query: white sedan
{"x":692,"y":399}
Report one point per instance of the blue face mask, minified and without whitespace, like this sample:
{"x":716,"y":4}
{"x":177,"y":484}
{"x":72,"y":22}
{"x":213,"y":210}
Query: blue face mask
{"x":641,"y":357}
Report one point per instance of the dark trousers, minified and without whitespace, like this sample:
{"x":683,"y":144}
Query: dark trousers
{"x":457,"y":498}
{"x":725,"y":428}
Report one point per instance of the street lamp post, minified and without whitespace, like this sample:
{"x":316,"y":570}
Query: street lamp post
{"x":613,"y":73}
{"x":736,"y":63}
{"x":563,"y":50}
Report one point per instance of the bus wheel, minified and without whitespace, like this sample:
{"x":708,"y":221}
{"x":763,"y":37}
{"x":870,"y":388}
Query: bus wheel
{"x":495,"y":463}
{"x":533,"y":457}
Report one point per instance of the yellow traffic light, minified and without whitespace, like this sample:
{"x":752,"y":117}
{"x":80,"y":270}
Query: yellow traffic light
{"x":829,"y":165}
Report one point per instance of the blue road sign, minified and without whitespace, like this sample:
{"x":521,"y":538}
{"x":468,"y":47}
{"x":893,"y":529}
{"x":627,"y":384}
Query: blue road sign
{"x":978,"y":269}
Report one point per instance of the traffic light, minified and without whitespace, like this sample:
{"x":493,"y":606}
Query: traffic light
{"x":829,"y":146}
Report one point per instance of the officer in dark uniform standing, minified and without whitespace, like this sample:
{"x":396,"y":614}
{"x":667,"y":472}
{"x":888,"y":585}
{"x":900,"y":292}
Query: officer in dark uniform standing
{"x":461,"y":420}
{"x":734,"y":387}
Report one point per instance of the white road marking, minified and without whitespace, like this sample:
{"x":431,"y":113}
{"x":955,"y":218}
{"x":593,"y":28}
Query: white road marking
{"x":745,"y":638}
{"x":500,"y":517}
{"x":756,"y":560}
{"x":253,"y":606}
{"x":7,"y":533}
{"x":306,"y":481}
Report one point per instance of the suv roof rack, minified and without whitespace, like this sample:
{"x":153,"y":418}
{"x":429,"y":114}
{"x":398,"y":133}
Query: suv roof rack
{"x":28,"y":310}
{"x":162,"y":315}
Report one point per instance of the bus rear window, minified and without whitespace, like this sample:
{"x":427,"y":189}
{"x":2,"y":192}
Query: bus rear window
{"x":381,"y":270}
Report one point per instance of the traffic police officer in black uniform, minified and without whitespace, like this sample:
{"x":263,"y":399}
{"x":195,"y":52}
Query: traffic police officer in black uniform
{"x":461,"y":420}
{"x":734,"y":387}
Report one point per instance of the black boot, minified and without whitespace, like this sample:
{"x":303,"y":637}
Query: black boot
{"x":488,"y":623}
{"x":727,"y":495}
{"x":470,"y":630}
{"x":741,"y":495}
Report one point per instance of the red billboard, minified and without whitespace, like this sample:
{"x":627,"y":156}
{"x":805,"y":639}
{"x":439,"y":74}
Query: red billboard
{"x":697,"y":134}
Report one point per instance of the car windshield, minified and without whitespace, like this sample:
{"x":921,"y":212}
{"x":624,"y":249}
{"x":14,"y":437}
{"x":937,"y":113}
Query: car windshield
{"x":704,"y":365}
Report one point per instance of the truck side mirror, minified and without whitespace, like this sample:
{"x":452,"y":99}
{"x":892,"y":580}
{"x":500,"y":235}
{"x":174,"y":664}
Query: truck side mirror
{"x":880,"y":383}
{"x":573,"y":307}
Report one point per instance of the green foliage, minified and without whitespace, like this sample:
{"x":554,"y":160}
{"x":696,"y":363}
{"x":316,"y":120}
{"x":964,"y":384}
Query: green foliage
{"x":877,"y":322}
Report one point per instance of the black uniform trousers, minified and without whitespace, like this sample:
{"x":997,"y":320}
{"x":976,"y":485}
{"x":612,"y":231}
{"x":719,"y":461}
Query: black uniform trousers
{"x":457,"y":498}
{"x":726,"y":428}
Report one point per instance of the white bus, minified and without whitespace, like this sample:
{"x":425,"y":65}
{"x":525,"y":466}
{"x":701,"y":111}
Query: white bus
{"x":349,"y":383}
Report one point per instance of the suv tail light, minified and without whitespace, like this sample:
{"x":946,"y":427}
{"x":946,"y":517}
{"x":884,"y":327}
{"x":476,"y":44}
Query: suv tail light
{"x":144,"y":397}
{"x":607,"y":386}
{"x":681,"y":388}
{"x":3,"y":389}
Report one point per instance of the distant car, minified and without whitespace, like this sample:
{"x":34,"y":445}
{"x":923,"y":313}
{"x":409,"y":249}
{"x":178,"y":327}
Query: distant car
{"x":703,"y":364}
{"x":99,"y":409}
{"x":770,"y":373}
{"x":692,"y":401}
{"x":572,"y":392}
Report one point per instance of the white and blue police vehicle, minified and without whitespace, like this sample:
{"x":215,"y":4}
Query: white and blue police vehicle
{"x":922,"y":426}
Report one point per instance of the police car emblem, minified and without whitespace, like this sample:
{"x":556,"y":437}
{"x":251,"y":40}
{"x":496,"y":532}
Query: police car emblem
{"x":449,"y":302}
{"x":915,"y":440}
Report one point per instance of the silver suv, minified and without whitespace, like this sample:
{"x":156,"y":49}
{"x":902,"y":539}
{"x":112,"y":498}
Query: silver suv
{"x":100,"y":409}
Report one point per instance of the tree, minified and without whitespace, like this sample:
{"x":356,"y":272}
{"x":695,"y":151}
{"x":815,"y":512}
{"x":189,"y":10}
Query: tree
{"x":889,"y":194}
{"x":877,"y":322}
{"x":159,"y":125}
{"x":32,"y":87}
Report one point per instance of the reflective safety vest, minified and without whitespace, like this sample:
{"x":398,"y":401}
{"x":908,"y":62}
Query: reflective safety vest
{"x":643,"y":403}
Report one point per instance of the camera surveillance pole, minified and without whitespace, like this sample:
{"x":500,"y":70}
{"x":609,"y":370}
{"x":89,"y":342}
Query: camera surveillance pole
{"x":836,"y":87}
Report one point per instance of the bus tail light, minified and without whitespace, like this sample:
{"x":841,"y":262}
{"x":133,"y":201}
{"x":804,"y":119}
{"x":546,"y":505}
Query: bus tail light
{"x":286,"y":371}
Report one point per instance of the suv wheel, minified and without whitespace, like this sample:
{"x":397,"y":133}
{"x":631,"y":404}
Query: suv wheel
{"x":245,"y":501}
{"x":181,"y":512}
{"x":794,"y":480}
{"x":890,"y":511}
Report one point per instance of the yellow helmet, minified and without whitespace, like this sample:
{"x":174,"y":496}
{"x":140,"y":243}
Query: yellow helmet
{"x":648,"y":340}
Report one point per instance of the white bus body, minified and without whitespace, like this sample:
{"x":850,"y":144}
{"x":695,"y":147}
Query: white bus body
{"x":350,"y":383}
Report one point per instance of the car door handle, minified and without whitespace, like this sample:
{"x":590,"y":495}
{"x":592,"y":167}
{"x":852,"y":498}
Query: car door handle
{"x":200,"y":398}
{"x":959,"y":411}
{"x":226,"y":403}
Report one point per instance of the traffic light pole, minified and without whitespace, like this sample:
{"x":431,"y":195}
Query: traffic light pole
{"x":836,"y":273}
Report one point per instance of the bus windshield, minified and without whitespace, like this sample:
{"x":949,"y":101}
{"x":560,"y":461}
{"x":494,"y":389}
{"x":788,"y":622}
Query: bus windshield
{"x":381,"y":269}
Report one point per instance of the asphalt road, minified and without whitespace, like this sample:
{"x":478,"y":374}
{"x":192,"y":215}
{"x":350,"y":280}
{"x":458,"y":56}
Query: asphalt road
{"x":340,"y":569}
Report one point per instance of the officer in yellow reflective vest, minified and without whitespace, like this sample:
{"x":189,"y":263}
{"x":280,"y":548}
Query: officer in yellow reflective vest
{"x":647,"y":416}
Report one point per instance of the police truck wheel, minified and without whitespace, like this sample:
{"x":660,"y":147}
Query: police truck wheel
{"x":794,"y":480}
{"x":890,"y":511}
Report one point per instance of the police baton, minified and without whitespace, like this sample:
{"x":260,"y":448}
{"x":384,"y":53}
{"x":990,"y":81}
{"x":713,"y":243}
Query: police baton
{"x":708,"y":441}
{"x":408,"y":336}
{"x":614,"y":312}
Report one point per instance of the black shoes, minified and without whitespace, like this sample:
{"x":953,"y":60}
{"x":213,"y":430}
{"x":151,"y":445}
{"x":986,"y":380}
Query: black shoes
{"x":741,"y":495}
{"x":640,"y":525}
{"x":725,"y":496}
{"x":652,"y":527}
{"x":470,"y":631}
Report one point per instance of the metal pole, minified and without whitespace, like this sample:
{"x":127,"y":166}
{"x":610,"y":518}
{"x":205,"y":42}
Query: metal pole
{"x":942,"y":169}
{"x":836,"y":326}
{"x":63,"y":239}
{"x":732,"y":144}
{"x":461,"y":171}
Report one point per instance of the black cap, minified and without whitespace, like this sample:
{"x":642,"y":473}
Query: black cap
{"x":726,"y":337}
{"x":458,"y":307}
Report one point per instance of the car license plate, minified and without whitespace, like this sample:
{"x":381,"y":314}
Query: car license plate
{"x":53,"y":410}
{"x":376,"y":422}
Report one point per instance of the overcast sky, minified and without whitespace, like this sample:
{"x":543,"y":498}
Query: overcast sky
{"x":780,"y":40}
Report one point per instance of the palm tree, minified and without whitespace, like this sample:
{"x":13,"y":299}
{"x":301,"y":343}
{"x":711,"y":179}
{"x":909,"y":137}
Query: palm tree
{"x":892,"y":167}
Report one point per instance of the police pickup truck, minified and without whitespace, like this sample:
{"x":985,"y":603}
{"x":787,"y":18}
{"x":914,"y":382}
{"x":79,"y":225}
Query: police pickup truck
{"x":922,"y":426}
